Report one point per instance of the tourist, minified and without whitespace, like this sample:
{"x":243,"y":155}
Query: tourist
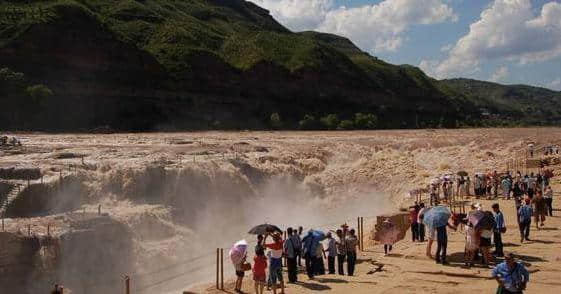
{"x":517,"y":195}
{"x":540,"y":209}
{"x":413,"y":218}
{"x":341,"y":252}
{"x":57,"y":289}
{"x":468,"y":185}
{"x":259,"y":266}
{"x":292,"y":248}
{"x":331,"y":253}
{"x":431,"y":238}
{"x":420,"y":225}
{"x":511,"y":275}
{"x":472,"y":243}
{"x":275,"y":263}
{"x":240,"y":274}
{"x":477,"y":183}
{"x":548,"y":196}
{"x":309,"y":254}
{"x":259,"y":243}
{"x":299,"y":237}
{"x":320,"y":256}
{"x":506,"y":185}
{"x":388,"y":226}
{"x":525,"y":220}
{"x":500,"y":228}
{"x":485,"y":236}
{"x":442,"y":242}
{"x":495,"y":180}
{"x":351,"y":243}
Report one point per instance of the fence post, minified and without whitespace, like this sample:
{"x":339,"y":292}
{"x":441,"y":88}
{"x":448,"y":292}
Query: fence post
{"x":217,"y":268}
{"x":29,"y":229}
{"x":127,"y":285}
{"x":2,"y":224}
{"x":362,"y":233}
{"x":221,"y":268}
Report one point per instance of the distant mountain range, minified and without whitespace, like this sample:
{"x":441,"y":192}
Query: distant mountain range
{"x":77,"y":65}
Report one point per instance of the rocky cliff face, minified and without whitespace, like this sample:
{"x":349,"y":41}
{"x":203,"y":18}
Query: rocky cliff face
{"x":89,"y":255}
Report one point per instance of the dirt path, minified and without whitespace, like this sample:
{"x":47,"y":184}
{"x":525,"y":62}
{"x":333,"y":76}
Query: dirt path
{"x":407,"y":270}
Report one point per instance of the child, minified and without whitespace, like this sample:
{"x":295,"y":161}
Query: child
{"x":260,"y":264}
{"x":240,"y":273}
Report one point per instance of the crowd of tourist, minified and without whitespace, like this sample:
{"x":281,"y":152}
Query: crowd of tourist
{"x":532,"y":196}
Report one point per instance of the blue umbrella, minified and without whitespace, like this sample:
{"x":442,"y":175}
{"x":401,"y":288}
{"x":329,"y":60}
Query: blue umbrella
{"x":311,"y":240}
{"x":319,"y":235}
{"x":436,"y":216}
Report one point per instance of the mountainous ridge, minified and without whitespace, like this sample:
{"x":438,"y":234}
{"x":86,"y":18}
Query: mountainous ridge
{"x":142,"y":65}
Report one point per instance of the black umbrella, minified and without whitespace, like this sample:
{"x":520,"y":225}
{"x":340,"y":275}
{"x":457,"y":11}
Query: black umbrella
{"x":264,"y":229}
{"x":462,"y":173}
{"x":482,"y":220}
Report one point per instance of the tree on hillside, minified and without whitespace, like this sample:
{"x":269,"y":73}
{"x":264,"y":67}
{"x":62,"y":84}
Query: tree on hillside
{"x":346,"y":125}
{"x":308,"y":123}
{"x":39,"y":92}
{"x":330,"y":121}
{"x":365,"y":121}
{"x":276,"y":121}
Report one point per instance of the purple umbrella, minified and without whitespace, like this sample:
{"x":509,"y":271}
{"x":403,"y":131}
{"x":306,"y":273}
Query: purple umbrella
{"x":238,"y":252}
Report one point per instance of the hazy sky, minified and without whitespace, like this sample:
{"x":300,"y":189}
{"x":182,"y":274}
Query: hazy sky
{"x":507,"y":41}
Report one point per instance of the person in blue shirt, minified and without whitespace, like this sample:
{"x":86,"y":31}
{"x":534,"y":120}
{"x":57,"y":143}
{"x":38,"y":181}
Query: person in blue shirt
{"x":525,"y":219}
{"x":499,"y":229}
{"x":511,"y":275}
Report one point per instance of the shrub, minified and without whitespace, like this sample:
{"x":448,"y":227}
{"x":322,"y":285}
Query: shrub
{"x":308,"y":123}
{"x":276,"y":121}
{"x":365,"y":121}
{"x":330,"y":121}
{"x":39,"y":91}
{"x":346,"y":125}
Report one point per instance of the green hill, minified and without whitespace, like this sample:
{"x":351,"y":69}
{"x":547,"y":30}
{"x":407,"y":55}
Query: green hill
{"x":199,"y":64}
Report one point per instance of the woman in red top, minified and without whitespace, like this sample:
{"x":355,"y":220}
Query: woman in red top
{"x":259,"y":266}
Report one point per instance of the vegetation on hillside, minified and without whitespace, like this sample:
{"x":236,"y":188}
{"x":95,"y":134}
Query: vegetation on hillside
{"x":178,"y":64}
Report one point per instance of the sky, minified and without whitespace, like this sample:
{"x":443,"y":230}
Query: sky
{"x":504,"y":41}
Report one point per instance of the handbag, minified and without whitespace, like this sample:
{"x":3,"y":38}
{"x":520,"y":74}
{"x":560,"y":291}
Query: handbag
{"x":246,"y":267}
{"x":503,"y":230}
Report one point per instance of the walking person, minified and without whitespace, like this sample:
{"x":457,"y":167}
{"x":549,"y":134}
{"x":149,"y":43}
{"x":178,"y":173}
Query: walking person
{"x":548,"y":196}
{"x":540,"y":209}
{"x":351,"y":243}
{"x":511,"y":275}
{"x":331,"y":253}
{"x":292,"y":248}
{"x":525,"y":220}
{"x":500,"y":228}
